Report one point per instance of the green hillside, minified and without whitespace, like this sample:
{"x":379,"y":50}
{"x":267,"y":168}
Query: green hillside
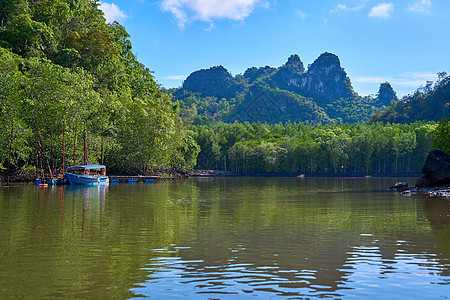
{"x":429,"y":103}
{"x":65,"y":71}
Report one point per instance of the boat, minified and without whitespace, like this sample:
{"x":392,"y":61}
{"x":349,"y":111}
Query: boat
{"x":87,"y":175}
{"x":59,"y":180}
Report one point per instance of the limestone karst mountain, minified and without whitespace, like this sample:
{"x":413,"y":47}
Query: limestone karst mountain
{"x":322,"y":93}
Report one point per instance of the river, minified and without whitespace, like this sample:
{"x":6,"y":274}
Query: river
{"x":224,"y":238}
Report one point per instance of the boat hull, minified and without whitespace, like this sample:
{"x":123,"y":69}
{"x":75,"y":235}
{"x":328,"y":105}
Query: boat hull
{"x":86,"y":180}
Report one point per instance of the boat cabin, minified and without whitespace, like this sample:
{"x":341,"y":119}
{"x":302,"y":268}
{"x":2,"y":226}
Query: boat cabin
{"x":88,"y":170}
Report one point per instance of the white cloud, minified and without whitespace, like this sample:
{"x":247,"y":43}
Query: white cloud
{"x":410,"y":79}
{"x":420,"y":6}
{"x":301,"y":14}
{"x":382,"y":11}
{"x":175,"y":77}
{"x":112,"y":12}
{"x":340,"y":7}
{"x":186,"y":11}
{"x":344,"y":7}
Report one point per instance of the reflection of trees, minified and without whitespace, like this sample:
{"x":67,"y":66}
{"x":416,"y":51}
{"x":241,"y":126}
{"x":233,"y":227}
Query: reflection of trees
{"x":289,"y":234}
{"x":437,"y":211}
{"x":293,"y":226}
{"x":78,"y":241}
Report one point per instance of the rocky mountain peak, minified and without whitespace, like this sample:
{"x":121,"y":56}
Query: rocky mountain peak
{"x":273,"y":94}
{"x":216,"y":74}
{"x":212,"y":82}
{"x":386,"y":94}
{"x":288,"y":75}
{"x":326,"y":79}
{"x":294,"y":62}
{"x":325,"y":60}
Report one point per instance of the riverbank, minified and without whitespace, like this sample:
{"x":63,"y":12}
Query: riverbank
{"x":215,"y":173}
{"x":30,"y":176}
{"x":434,"y":192}
{"x":430,"y":192}
{"x":437,"y":191}
{"x":21,"y":176}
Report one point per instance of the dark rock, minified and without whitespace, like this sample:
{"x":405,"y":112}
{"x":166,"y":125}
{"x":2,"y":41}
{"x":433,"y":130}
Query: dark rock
{"x":400,"y":187}
{"x":436,"y":170}
{"x":386,"y":94}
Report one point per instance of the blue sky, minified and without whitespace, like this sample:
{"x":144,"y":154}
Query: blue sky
{"x":405,"y":42}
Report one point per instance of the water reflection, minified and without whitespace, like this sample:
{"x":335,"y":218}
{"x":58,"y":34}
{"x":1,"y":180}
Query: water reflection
{"x":94,"y":200}
{"x":320,"y":242}
{"x":222,"y":238}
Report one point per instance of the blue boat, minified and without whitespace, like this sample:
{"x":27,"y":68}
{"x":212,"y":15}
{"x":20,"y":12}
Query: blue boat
{"x":87,"y":175}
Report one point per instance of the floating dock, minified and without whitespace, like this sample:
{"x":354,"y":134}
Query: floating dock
{"x":112,"y":179}
{"x":132,"y":179}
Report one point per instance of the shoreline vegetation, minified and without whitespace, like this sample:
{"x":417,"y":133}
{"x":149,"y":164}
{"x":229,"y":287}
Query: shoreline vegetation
{"x":221,"y":174}
{"x":343,"y":150}
{"x":21,"y":176}
{"x":438,"y":191}
{"x":73,"y":92}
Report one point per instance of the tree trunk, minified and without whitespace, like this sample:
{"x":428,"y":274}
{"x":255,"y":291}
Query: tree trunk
{"x":10,"y":149}
{"x":75,"y":144}
{"x":64,"y":147}
{"x":85,"y":159}
{"x":103,"y":147}
{"x":42,"y":147}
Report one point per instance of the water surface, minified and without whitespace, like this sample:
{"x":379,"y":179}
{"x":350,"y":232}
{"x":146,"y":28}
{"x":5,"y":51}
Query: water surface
{"x":286,"y":238}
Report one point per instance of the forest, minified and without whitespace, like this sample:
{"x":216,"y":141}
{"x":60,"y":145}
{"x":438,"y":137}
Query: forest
{"x":296,"y":148}
{"x":66,"y":77}
{"x":73,"y":92}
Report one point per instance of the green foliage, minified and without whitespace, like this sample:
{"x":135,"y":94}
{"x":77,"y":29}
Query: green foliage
{"x":213,"y":82}
{"x":428,"y":103}
{"x":258,"y":74}
{"x":351,"y":110}
{"x":71,"y":69}
{"x":31,"y":169}
{"x":275,"y":105}
{"x":442,"y":136}
{"x":26,"y":36}
{"x":295,"y":148}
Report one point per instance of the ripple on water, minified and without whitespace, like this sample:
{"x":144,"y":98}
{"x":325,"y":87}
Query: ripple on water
{"x":174,"y":277}
{"x":365,"y":274}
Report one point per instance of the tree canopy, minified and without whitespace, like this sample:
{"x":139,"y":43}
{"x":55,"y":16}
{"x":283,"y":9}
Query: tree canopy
{"x":63,"y":69}
{"x":429,"y":103}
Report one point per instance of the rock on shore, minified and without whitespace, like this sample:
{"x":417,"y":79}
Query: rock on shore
{"x":436,"y":170}
{"x":435,"y":182}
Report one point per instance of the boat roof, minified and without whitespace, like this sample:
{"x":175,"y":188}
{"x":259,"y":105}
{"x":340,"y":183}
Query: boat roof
{"x":87,"y":167}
